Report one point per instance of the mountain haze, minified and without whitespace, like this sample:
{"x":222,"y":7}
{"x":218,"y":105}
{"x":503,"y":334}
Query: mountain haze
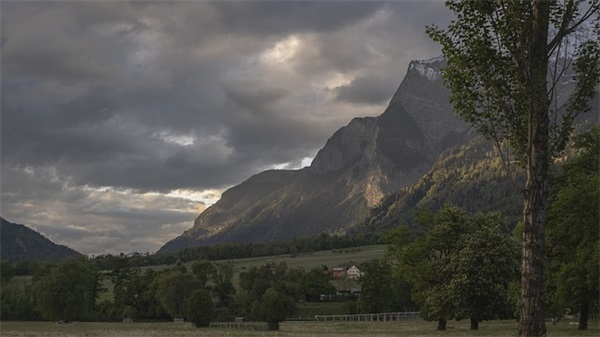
{"x":361,"y":163}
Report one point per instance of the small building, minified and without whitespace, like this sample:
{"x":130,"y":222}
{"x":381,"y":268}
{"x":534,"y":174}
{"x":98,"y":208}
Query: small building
{"x":347,"y":270}
{"x":337,"y":272}
{"x":353,"y":272}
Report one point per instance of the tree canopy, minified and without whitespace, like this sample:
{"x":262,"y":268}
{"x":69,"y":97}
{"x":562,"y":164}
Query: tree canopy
{"x":68,"y":291}
{"x":573,"y":234}
{"x":506,"y":65}
{"x":460,"y":265}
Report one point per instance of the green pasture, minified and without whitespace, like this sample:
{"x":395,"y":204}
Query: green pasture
{"x":330,"y":258}
{"x":291,"y":329}
{"x":309,"y":260}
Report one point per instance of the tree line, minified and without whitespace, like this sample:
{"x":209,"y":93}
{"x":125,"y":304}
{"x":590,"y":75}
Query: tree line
{"x":235,"y":250}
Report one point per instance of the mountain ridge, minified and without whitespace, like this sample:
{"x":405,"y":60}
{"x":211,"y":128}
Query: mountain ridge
{"x":359,"y":164}
{"x":21,"y":243}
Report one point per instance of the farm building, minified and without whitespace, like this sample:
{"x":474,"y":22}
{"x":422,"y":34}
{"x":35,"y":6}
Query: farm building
{"x":349,"y":270}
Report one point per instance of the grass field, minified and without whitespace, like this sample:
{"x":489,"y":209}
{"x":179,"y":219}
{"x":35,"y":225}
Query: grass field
{"x":316,"y":259}
{"x":288,"y":329}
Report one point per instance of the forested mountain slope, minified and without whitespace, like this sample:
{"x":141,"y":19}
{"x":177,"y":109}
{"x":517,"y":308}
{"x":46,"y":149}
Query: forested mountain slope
{"x":20,"y":243}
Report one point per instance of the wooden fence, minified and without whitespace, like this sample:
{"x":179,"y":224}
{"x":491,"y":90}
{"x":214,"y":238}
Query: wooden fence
{"x":381,"y":317}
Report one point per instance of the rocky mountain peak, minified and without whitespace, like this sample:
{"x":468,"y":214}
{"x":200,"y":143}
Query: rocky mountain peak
{"x":361,"y":163}
{"x":429,"y":69}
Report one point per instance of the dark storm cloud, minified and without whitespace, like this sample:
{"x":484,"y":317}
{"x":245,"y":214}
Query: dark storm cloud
{"x":367,"y":90}
{"x":139,"y":97}
{"x":253,"y":95}
{"x":284,"y":17}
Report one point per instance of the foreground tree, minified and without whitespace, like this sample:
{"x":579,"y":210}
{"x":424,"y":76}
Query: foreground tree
{"x":422,"y":257}
{"x":68,"y":291}
{"x":505,"y":61}
{"x":573,"y":230}
{"x":174,"y":290}
{"x":273,"y":304}
{"x":484,"y":268}
{"x":460,"y":265}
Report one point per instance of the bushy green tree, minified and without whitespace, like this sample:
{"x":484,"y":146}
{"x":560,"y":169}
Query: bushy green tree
{"x":203,"y":270}
{"x":484,"y":269}
{"x":460,"y":265}
{"x":375,"y":287}
{"x":273,"y":304}
{"x":289,"y":283}
{"x":7,"y":272}
{"x":126,"y":287}
{"x":316,"y":283}
{"x":573,"y":233}
{"x":505,"y":62}
{"x":17,"y":303}
{"x":174,"y":290}
{"x":422,"y":256}
{"x":68,"y":291}
{"x":200,"y":308}
{"x":148,"y":302}
{"x":381,"y":290}
{"x":223,"y":289}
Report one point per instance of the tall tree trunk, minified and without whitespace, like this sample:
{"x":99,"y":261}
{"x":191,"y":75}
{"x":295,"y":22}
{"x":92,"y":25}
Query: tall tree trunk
{"x":531,"y":321}
{"x":584,"y":313}
{"x":441,"y":324}
{"x":474,"y":324}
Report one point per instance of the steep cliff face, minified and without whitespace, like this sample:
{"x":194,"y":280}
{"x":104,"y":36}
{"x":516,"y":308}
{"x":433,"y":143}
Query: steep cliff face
{"x":357,"y":167}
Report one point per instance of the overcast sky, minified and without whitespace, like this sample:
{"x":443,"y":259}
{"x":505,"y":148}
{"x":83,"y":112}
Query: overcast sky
{"x":122,"y":121}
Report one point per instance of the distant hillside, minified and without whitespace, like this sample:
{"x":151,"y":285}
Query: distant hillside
{"x":19,"y":243}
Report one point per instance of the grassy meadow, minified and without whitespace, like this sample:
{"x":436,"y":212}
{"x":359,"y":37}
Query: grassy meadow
{"x":307,"y":261}
{"x":288,"y":329}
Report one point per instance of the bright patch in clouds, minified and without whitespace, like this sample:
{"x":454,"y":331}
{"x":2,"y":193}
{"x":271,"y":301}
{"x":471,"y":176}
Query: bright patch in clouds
{"x":183,"y":140}
{"x":283,"y":50}
{"x":206,"y":197}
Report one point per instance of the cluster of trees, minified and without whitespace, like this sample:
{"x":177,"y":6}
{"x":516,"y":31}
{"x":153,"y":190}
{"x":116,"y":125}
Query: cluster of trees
{"x":204,"y":292}
{"x":70,"y":290}
{"x":62,"y":291}
{"x":270,"y":292}
{"x":507,"y":62}
{"x":459,"y":265}
{"x":573,"y":246}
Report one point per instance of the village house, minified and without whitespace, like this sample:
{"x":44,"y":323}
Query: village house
{"x":353,"y":273}
{"x":348,"y":270}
